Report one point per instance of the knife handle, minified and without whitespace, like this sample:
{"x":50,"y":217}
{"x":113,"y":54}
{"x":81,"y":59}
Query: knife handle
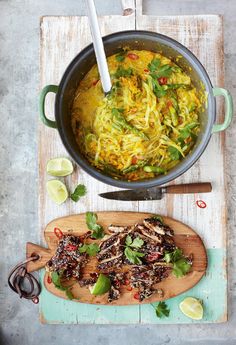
{"x":204,"y":187}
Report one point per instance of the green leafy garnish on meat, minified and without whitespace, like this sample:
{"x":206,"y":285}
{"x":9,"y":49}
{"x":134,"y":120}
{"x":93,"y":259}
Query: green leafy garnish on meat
{"x":181,"y":265}
{"x":56,"y":279}
{"x":91,"y":249}
{"x":162,"y":310}
{"x":157,"y":217}
{"x":79,"y":191}
{"x":132,"y":255}
{"x":91,"y":221}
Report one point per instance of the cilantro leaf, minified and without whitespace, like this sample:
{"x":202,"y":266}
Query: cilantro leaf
{"x":91,"y":249}
{"x":133,"y":256}
{"x":174,"y":153}
{"x":162,"y":310}
{"x":137,"y":243}
{"x":69,"y":294}
{"x":120,"y":57}
{"x":91,"y":221}
{"x":157,"y":88}
{"x":181,"y":265}
{"x":122,"y":72}
{"x":79,"y":191}
{"x":187,"y":130}
{"x":154,"y":64}
{"x":157,"y":217}
{"x":56,"y":279}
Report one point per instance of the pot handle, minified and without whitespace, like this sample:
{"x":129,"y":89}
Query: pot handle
{"x":219,"y":91}
{"x":42,"y":97}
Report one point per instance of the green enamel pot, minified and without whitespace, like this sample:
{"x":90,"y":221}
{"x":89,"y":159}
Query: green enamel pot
{"x":139,"y":40}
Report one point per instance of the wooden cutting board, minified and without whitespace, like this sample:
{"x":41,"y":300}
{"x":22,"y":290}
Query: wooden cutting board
{"x":185,"y":238}
{"x":61,"y":39}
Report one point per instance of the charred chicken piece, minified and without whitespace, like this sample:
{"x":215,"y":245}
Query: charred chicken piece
{"x":67,"y":259}
{"x":116,"y":280}
{"x":157,"y":226}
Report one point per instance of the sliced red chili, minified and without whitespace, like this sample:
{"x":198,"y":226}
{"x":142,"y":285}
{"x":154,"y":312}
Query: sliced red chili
{"x":153,"y":256}
{"x":126,"y":282}
{"x":49,"y":280}
{"x":162,"y":80}
{"x":133,"y":56}
{"x":134,"y":160}
{"x":146,"y":70}
{"x":137,"y":296}
{"x":201,"y":204}
{"x":70,"y":247}
{"x":58,"y":233}
{"x":94,"y":83}
{"x":129,"y":288}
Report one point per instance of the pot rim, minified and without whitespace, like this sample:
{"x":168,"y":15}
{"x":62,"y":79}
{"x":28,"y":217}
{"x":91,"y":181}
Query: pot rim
{"x":187,"y":162}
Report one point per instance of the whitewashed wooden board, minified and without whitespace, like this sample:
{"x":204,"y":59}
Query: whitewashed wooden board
{"x":61,"y":39}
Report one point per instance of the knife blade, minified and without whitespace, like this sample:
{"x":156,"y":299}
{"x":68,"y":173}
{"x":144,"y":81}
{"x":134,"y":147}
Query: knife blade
{"x":156,"y":193}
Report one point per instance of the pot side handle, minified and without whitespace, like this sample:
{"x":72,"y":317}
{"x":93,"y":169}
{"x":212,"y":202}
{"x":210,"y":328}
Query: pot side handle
{"x":42,"y":97}
{"x":219,"y":91}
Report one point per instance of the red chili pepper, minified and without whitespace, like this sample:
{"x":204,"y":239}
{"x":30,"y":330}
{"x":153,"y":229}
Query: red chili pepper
{"x":146,"y":70}
{"x":58,"y":233}
{"x":70,"y":247}
{"x":126,"y":282}
{"x":162,"y":80}
{"x":129,"y":288}
{"x":153,"y":256}
{"x":137,"y":296}
{"x":133,"y":56}
{"x":49,"y":280}
{"x":134,"y":160}
{"x":201,"y":204}
{"x":94,"y":83}
{"x":169,"y":103}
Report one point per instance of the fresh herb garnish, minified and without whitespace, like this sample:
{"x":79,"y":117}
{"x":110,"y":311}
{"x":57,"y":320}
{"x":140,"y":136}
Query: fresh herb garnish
{"x":122,"y":72}
{"x":91,"y":249}
{"x":162,"y":310}
{"x":56,"y":279}
{"x":79,"y":191}
{"x":91,"y":221}
{"x":187,"y":130}
{"x":181,"y":265}
{"x":174,"y":153}
{"x":157,"y":217}
{"x":133,"y":255}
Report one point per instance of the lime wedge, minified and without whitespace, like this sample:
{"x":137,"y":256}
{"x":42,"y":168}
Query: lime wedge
{"x":59,"y":167}
{"x":192,"y":308}
{"x":57,"y":191}
{"x":101,"y":286}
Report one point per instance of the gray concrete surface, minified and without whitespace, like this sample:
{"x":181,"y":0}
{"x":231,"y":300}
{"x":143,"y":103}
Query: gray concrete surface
{"x":19,"y":80}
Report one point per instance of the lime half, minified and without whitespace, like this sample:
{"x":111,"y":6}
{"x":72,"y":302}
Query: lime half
{"x":192,"y":308}
{"x":57,"y":191}
{"x":59,"y":167}
{"x":102,"y":285}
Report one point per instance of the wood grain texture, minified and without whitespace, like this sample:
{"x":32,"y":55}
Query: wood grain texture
{"x":184,"y":237}
{"x":61,"y":39}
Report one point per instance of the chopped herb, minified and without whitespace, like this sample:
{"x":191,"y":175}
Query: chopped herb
{"x":133,"y":255}
{"x":120,"y":120}
{"x":79,"y":191}
{"x":91,"y":221}
{"x":181,"y":265}
{"x":157,"y":88}
{"x":162,"y":310}
{"x":91,"y":249}
{"x":122,"y":72}
{"x":174,"y":153}
{"x":187,"y":130}
{"x":56,"y":279}
{"x":157,"y":217}
{"x":120,"y":57}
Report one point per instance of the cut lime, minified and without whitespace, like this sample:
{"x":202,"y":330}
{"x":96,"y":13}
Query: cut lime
{"x":59,"y":167}
{"x":192,"y":308}
{"x":57,"y":191}
{"x":101,"y":286}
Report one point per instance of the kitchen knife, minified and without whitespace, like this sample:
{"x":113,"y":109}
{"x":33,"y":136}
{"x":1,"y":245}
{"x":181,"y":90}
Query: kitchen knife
{"x":156,"y":193}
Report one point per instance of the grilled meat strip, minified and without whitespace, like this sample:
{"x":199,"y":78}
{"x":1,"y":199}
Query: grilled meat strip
{"x":67,"y":259}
